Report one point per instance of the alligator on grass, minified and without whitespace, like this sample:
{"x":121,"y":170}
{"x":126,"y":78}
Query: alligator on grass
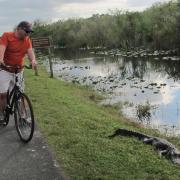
{"x":164,"y":147}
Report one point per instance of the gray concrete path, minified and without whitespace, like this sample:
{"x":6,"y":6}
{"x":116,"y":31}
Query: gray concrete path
{"x":32,"y":161}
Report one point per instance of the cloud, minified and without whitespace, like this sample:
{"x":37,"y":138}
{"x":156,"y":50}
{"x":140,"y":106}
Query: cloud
{"x":143,"y":3}
{"x":12,"y":12}
{"x":86,"y":10}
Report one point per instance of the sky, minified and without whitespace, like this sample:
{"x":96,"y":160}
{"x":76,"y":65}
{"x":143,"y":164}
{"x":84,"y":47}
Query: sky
{"x":12,"y":12}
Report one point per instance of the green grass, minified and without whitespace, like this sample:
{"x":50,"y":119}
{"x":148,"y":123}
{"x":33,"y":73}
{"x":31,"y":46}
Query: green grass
{"x":76,"y":128}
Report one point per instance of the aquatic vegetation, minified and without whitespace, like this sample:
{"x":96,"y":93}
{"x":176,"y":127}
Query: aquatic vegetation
{"x":143,"y":112}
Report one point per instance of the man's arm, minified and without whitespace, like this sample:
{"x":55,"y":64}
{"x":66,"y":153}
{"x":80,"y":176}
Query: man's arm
{"x":2,"y":50}
{"x":32,"y":58}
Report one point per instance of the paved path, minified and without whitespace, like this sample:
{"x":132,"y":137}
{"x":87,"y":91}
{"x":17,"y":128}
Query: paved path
{"x":32,"y":161}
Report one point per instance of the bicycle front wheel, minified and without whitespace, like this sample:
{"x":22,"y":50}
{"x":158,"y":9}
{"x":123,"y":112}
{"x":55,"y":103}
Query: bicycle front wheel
{"x":24,"y":118}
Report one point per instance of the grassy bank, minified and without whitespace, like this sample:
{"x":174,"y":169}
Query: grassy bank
{"x":77,"y":129}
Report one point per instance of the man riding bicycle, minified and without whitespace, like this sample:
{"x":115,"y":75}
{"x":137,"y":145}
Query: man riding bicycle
{"x":13,"y":48}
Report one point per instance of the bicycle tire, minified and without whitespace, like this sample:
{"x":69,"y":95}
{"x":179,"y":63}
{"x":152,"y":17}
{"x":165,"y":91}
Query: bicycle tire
{"x":24,"y":117}
{"x":6,"y":120}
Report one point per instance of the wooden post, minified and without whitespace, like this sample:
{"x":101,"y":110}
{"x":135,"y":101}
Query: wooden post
{"x":36,"y":71}
{"x":50,"y":63}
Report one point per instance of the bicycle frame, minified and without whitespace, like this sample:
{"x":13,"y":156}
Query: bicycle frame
{"x":12,"y":97}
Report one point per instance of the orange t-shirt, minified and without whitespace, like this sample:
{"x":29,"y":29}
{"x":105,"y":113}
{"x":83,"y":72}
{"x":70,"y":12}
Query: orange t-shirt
{"x":16,"y":49}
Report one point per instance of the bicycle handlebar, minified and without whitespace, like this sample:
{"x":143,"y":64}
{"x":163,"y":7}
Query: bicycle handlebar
{"x":28,"y":66}
{"x":14,"y":69}
{"x":16,"y":66}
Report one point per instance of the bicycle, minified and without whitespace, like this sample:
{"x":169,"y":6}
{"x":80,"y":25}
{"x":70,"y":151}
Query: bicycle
{"x":19,"y":105}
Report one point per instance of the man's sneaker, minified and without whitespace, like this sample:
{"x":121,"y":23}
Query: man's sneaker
{"x":2,"y":122}
{"x":1,"y":116}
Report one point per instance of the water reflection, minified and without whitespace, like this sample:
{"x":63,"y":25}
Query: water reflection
{"x":136,"y":81}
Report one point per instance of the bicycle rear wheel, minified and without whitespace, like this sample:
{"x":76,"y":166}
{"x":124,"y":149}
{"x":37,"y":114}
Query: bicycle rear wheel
{"x":24,"y":118}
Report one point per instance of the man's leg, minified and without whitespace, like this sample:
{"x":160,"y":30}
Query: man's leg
{"x":3,"y":103}
{"x":5,"y":79}
{"x":3,"y":99}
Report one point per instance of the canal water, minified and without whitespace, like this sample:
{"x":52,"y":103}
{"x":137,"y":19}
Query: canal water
{"x":148,"y":89}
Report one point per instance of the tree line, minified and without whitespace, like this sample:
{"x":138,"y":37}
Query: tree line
{"x":157,"y":28}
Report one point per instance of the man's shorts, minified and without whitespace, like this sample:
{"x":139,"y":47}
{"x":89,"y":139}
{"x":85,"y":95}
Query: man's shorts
{"x":7,"y":81}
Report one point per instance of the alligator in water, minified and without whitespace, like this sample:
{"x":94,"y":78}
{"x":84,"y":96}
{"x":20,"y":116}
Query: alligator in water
{"x":164,"y":147}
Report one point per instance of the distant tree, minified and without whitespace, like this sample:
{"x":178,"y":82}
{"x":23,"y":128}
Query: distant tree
{"x":158,"y":27}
